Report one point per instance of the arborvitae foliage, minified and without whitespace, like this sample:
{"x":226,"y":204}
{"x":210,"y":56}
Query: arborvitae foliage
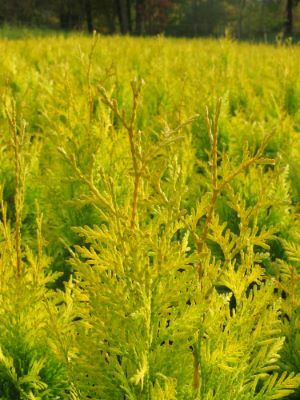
{"x":166,"y":317}
{"x":179,"y":231}
{"x":288,"y":286}
{"x":28,"y":370}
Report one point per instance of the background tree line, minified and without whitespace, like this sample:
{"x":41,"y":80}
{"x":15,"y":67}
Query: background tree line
{"x":242,"y":18}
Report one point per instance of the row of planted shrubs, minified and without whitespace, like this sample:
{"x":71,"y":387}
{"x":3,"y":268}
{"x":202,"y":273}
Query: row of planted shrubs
{"x":148,"y":262}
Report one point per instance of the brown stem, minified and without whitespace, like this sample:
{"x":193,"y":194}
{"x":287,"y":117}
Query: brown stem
{"x":136,"y":177}
{"x":196,"y":374}
{"x":130,"y":127}
{"x":135,"y":201}
{"x":203,"y":237}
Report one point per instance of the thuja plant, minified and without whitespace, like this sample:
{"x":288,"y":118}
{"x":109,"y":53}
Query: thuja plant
{"x":288,"y":285}
{"x":173,"y":304}
{"x":28,"y":370}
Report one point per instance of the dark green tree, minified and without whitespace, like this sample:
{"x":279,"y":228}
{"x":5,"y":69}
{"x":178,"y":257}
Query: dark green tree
{"x":289,"y":23}
{"x":89,"y":15}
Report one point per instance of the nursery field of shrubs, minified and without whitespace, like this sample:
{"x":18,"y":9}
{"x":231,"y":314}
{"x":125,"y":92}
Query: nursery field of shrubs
{"x":150,"y":219}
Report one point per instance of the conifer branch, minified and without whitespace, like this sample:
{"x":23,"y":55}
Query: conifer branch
{"x":136,"y":87}
{"x":216,"y":190}
{"x":17,"y":142}
{"x":5,"y":227}
{"x":88,"y":181}
{"x":91,"y":54}
{"x":213,"y":137}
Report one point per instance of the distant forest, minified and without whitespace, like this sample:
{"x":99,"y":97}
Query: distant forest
{"x":191,"y":18}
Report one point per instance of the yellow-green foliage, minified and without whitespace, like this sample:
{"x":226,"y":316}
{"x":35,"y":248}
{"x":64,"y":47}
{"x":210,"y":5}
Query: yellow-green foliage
{"x":172,"y":216}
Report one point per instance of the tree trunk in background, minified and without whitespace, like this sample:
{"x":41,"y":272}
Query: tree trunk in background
{"x":110,"y":21}
{"x":69,"y":14}
{"x":123,"y":16}
{"x":138,"y":16}
{"x":242,"y":6}
{"x":195,"y":18}
{"x":129,"y":15}
{"x":89,"y":15}
{"x":64,"y":17}
{"x":289,"y":18}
